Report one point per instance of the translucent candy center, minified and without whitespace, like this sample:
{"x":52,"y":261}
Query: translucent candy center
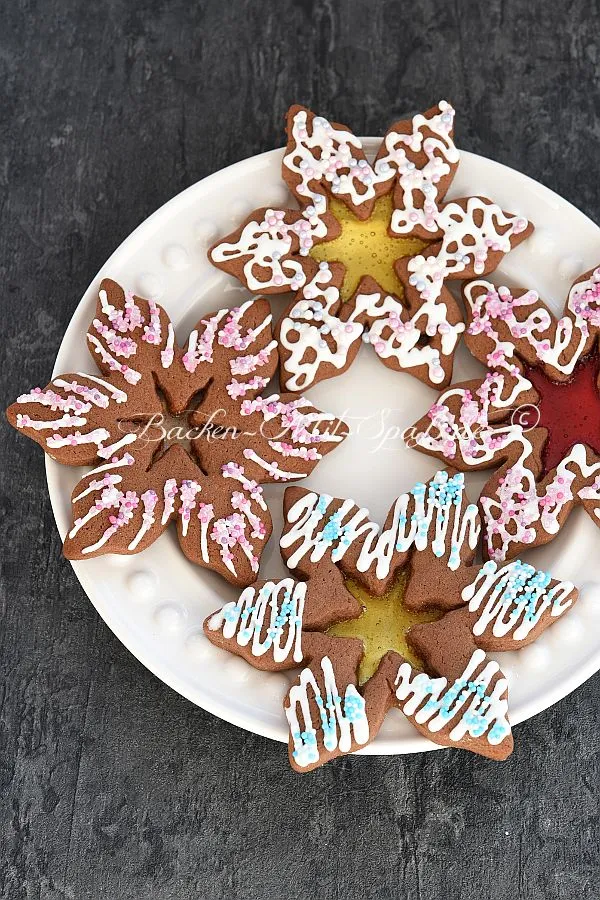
{"x":382,"y":626}
{"x":366,"y":248}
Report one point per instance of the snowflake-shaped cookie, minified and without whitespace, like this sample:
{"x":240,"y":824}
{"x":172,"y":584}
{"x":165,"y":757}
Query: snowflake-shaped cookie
{"x":417,"y":239}
{"x":237,"y":438}
{"x":457,"y":696}
{"x":534,"y":417}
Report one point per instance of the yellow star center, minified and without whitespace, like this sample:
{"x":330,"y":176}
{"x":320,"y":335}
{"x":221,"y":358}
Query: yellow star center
{"x":382,"y":625}
{"x":366,"y":248}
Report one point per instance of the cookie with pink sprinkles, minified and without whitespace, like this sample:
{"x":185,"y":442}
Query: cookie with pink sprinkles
{"x":176,"y":434}
{"x":534,"y":418}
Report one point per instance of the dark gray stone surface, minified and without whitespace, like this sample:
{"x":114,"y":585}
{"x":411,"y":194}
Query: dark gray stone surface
{"x":111,"y":785}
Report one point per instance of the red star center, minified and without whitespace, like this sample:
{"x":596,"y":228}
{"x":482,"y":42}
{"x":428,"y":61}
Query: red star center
{"x":569,"y":410}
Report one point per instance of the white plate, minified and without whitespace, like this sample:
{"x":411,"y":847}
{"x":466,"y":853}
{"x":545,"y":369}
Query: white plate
{"x":155,"y":602}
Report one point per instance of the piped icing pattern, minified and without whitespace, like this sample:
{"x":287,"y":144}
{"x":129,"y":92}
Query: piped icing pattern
{"x":429,"y":516}
{"x":417,"y":161}
{"x":314,"y":337}
{"x":268,"y":619}
{"x":342,"y":719}
{"x":499,"y":421}
{"x":460,"y":696}
{"x":512,"y":599}
{"x":141,"y":483}
{"x":473,"y":705}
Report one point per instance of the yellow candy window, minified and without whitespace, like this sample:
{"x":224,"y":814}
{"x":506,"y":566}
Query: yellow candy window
{"x":383,"y":625}
{"x":366,"y":248}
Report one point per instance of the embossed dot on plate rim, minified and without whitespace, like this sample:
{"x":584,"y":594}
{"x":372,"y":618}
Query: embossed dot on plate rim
{"x":205,"y":231}
{"x":536,"y":656}
{"x":541,"y":242}
{"x":170,"y":615}
{"x":176,"y":257}
{"x":570,"y":267}
{"x":150,"y":285}
{"x":142,"y":584}
{"x":197,"y":644}
{"x":238,"y":670}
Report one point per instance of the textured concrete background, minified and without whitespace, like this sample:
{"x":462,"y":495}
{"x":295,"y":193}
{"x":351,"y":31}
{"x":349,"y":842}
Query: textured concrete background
{"x":111,"y":785}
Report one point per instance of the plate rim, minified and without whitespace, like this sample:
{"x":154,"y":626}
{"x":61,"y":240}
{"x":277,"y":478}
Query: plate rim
{"x":241,"y":719}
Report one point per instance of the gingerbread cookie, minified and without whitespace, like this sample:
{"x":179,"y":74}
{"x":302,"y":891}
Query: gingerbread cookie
{"x":534,"y":418}
{"x":370,"y":249}
{"x":436,"y":670}
{"x":237,"y":439}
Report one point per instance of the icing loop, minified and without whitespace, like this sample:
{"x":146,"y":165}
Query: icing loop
{"x":324,"y":166}
{"x":334,"y":163}
{"x":313,"y":337}
{"x":342,"y":719}
{"x":269,"y":620}
{"x":471,"y":704}
{"x":465,"y":244}
{"x":514,"y":598}
{"x":428,"y":516}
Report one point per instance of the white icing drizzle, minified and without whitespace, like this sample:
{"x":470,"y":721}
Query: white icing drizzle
{"x":342,"y":719}
{"x":117,"y":394}
{"x":301,"y":337}
{"x":95,"y":485}
{"x":244,"y":365}
{"x":55,"y":401}
{"x":518,"y":507}
{"x":244,"y":619}
{"x":303,"y":427}
{"x":125,"y":505}
{"x":346,"y":176}
{"x":354,"y":179}
{"x":233,"y":470}
{"x":188,"y":492}
{"x":514,"y":513}
{"x":167,"y":355}
{"x":105,"y":452}
{"x":205,"y":515}
{"x":237,"y":389}
{"x":170,"y":491}
{"x":91,"y":437}
{"x":204,"y":352}
{"x":392,"y":334}
{"x":436,"y":523}
{"x":490,"y":304}
{"x":149,"y":499}
{"x":420,"y":185}
{"x":299,"y":452}
{"x":99,"y":484}
{"x":65,"y":421}
{"x":130,"y":375}
{"x":265,"y":245}
{"x":272,"y":468}
{"x":404,"y":334}
{"x":468,"y":701}
{"x":457,"y":225}
{"x":230,"y":335}
{"x":514,"y":598}
{"x":89,"y":394}
{"x":83,"y":520}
